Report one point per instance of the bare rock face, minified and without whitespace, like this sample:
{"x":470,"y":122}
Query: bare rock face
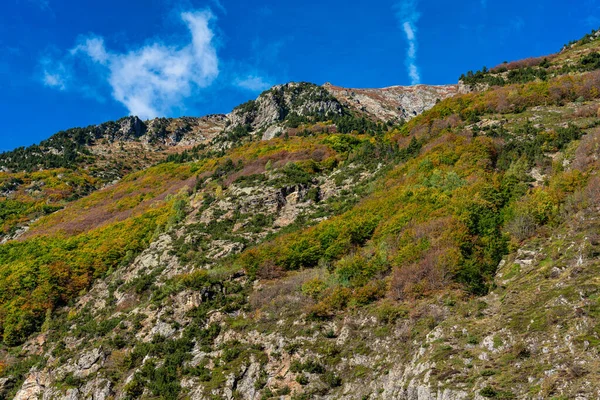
{"x":395,"y":102}
{"x":127,"y":128}
{"x":274,"y":105}
{"x":245,"y":384}
{"x":35,"y":384}
{"x":161,"y":131}
{"x":89,"y":363}
{"x":98,"y":389}
{"x":266,"y":115}
{"x":6,"y":384}
{"x":272,"y":132}
{"x":184,"y":131}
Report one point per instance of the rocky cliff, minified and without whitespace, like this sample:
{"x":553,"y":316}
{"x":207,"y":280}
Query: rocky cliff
{"x":396,"y":102}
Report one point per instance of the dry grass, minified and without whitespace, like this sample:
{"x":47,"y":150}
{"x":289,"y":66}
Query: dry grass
{"x":283,"y":294}
{"x":129,"y":198}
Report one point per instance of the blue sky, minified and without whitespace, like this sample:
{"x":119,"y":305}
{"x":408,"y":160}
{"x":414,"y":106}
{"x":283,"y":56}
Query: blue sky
{"x":67,"y":63}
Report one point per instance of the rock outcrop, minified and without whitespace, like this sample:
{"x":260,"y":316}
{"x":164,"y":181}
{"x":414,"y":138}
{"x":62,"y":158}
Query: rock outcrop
{"x":395,"y":102}
{"x":282,"y":101}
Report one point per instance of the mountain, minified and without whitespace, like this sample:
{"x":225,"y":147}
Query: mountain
{"x":71,"y":164}
{"x":418,"y":243}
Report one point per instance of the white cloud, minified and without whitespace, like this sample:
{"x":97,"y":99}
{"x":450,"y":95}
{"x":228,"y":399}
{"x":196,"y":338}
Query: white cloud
{"x":253,"y":83}
{"x":219,"y":6}
{"x":54,"y":80}
{"x":93,"y":46}
{"x":151,"y":80}
{"x":408,"y":16}
{"x":54,"y":74}
{"x":158,"y":78}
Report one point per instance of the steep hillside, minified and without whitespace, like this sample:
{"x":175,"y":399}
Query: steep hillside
{"x":44,"y":178}
{"x":319,"y":243}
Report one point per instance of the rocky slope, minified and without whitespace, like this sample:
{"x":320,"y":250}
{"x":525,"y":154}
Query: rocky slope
{"x":267,"y":114}
{"x":312,"y":244}
{"x":76,"y":162}
{"x":393,"y":103}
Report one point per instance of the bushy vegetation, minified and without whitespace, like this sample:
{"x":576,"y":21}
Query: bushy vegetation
{"x":37,"y":156}
{"x":65,"y":149}
{"x":442,"y":220}
{"x":194,"y":154}
{"x":43,"y":273}
{"x":29,"y":195}
{"x":587,"y":38}
{"x":535,"y":68}
{"x":512,"y":99}
{"x":447,"y":196}
{"x":590,"y":62}
{"x":495,"y":77}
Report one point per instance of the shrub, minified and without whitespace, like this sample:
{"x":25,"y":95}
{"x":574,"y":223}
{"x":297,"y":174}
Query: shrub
{"x":284,"y":391}
{"x":310,"y":366}
{"x":590,"y":61}
{"x":389,"y":313}
{"x":302,"y":379}
{"x":196,"y":280}
{"x":369,"y":293}
{"x":488,"y":392}
{"x":313,"y":288}
{"x":202,"y":373}
{"x":295,"y":175}
{"x":430,"y":273}
{"x":270,"y":270}
{"x":342,"y":143}
{"x":520,"y":350}
{"x":331,"y":379}
{"x":231,"y":353}
{"x":71,"y":381}
{"x":522,"y":226}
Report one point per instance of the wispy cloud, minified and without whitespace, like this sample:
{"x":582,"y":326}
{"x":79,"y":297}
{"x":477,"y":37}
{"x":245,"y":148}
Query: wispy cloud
{"x":517,"y":24}
{"x":92,"y":46}
{"x":158,"y":78}
{"x":408,"y":16}
{"x":54,"y":74}
{"x":252,"y":74}
{"x":43,"y":5}
{"x":54,"y":80}
{"x":219,"y":6}
{"x":149,"y":81}
{"x":264,"y":11}
{"x":253,"y":83}
{"x":591,"y":21}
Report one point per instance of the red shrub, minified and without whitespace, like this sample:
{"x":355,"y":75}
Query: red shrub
{"x":525,"y":63}
{"x":588,"y":151}
{"x":592,"y":191}
{"x":590,"y":110}
{"x":269,"y":270}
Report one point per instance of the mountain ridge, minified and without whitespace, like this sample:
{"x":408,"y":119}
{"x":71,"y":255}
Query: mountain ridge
{"x":313,"y":249}
{"x":154,"y":130}
{"x":104,"y":153}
